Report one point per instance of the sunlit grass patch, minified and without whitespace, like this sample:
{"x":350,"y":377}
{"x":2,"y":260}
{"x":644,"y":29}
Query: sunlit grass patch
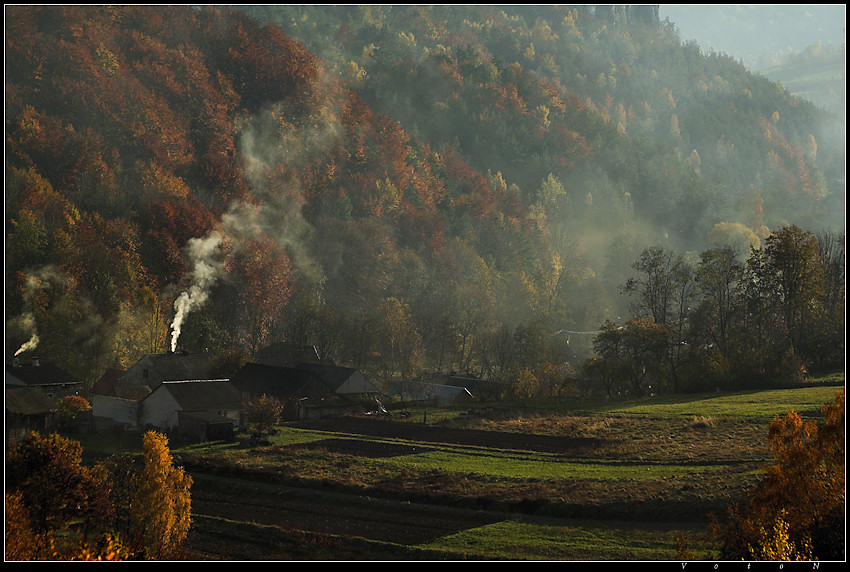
{"x":539,"y":466}
{"x":750,"y":404}
{"x":585,"y":541}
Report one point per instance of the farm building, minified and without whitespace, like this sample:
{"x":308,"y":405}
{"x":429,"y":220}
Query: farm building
{"x":424,"y":393}
{"x":112,"y":412}
{"x":288,"y":385}
{"x":116,"y":406}
{"x":470,"y":382}
{"x":342,"y":380}
{"x":52,"y":380}
{"x":28,"y":409}
{"x":325,"y":406}
{"x":153,"y":369}
{"x":197,"y":409}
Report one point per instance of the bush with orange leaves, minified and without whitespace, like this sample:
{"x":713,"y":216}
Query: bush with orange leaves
{"x":797,"y":511}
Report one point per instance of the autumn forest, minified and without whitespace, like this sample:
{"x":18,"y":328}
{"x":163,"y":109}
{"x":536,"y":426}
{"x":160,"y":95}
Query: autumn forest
{"x":530,"y":194}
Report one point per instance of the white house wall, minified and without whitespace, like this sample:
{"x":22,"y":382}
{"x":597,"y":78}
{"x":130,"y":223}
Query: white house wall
{"x":123,"y":411}
{"x":355,"y":385}
{"x":136,"y":374}
{"x":160,"y":410}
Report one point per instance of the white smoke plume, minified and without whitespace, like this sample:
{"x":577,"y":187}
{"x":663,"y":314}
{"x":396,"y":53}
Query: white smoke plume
{"x":27,"y":321}
{"x":37,"y":280}
{"x":206,"y":268}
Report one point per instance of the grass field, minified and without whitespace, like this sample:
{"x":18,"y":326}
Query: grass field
{"x":565,"y":540}
{"x":657,"y":466}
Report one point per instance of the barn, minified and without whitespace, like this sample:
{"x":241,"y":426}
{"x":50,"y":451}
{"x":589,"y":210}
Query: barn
{"x":194,"y":409}
{"x":290,"y":386}
{"x":28,"y":409}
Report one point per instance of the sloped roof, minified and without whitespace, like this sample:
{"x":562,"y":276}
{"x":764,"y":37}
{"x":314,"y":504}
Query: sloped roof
{"x":130,"y":392}
{"x":107,"y":382}
{"x":333,"y":376}
{"x":459,"y":380}
{"x":45,"y":373}
{"x":279,"y":381}
{"x":203,"y":395}
{"x":28,"y":401}
{"x":180,"y":366}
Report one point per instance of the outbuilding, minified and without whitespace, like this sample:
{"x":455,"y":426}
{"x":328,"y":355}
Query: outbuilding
{"x":195,"y":409}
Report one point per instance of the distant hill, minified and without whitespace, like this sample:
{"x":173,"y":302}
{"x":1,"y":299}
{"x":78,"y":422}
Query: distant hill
{"x":817,"y":73}
{"x":398,"y":186}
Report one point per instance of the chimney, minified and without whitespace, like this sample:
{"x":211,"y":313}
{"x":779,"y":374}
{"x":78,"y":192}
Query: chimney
{"x":35,"y":361}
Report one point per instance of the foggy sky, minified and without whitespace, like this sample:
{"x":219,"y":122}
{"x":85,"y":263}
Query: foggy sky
{"x":758,"y":34}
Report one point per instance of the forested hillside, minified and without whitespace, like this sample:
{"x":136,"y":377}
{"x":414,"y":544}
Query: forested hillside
{"x":402,"y":187}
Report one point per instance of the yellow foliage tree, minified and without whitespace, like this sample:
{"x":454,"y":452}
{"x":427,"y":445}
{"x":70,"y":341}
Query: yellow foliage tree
{"x":160,"y":510}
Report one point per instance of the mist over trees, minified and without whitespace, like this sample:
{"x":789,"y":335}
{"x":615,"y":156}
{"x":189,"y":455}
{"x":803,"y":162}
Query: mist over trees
{"x":412,"y":188}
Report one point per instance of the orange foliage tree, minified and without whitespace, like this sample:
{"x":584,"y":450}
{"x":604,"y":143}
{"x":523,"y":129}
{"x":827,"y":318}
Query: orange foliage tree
{"x":796,"y":512}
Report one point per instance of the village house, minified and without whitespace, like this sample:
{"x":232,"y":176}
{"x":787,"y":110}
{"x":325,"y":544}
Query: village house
{"x":194,"y":409}
{"x":55,"y":382}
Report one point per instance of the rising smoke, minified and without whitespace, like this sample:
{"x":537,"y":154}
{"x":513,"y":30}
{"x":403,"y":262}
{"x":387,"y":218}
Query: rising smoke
{"x":27,"y":322}
{"x":36,"y":281}
{"x":203,"y":253}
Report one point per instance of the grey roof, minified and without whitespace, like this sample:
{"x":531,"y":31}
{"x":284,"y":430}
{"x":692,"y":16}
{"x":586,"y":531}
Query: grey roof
{"x":282,"y":382}
{"x":107,"y":382}
{"x":28,"y":401}
{"x":45,"y":373}
{"x":203,"y":395}
{"x":333,"y":376}
{"x":179,"y":366}
{"x":130,"y":392}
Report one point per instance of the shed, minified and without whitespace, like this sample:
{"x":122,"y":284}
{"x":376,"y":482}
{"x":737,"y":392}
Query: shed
{"x":28,"y":409}
{"x":180,"y":406}
{"x":111,"y":412}
{"x":327,"y":406}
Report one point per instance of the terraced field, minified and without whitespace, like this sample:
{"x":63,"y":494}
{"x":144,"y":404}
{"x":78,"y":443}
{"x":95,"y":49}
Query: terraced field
{"x":603,"y":486}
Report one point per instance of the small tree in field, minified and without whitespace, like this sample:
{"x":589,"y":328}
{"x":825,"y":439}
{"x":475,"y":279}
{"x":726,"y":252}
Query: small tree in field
{"x":160,"y":508}
{"x":266,"y":411}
